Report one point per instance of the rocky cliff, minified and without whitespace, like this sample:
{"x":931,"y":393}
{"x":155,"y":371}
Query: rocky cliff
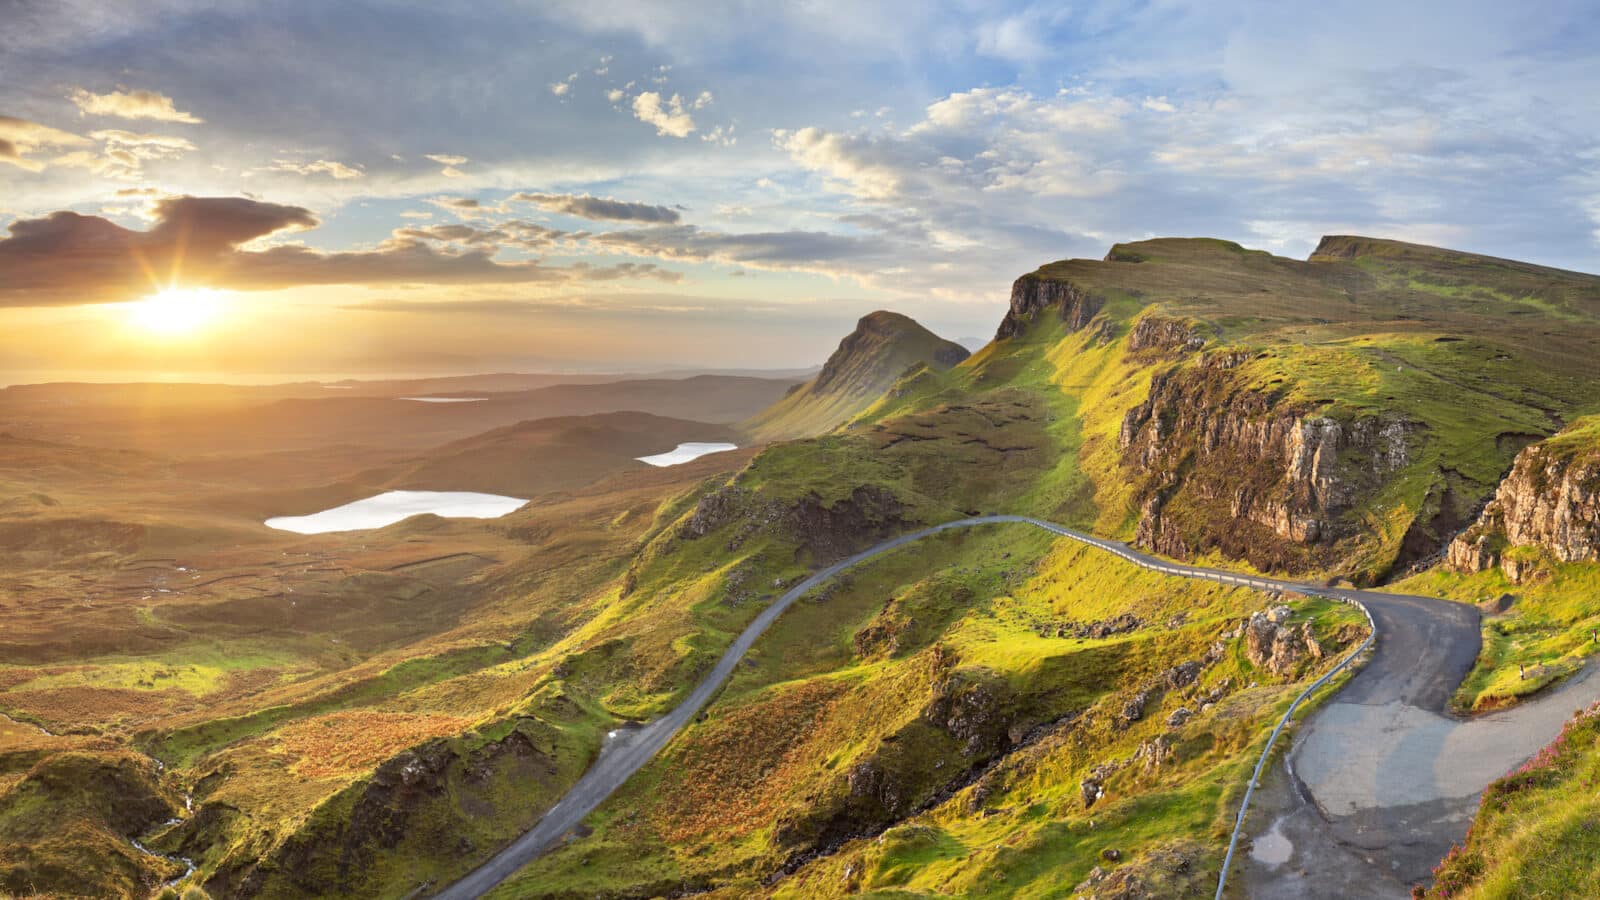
{"x":1549,"y":504}
{"x":1032,"y":294}
{"x":1211,"y":452}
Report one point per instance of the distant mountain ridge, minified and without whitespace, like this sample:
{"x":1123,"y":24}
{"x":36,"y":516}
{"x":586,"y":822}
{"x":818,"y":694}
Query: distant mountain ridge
{"x":883,"y":347}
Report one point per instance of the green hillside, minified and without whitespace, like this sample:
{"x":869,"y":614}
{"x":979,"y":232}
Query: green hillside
{"x":1344,"y":415}
{"x":883,"y":347}
{"x":988,"y":714}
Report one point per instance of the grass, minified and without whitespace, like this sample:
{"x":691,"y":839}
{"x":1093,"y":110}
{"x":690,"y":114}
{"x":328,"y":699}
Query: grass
{"x":288,"y":716}
{"x":723,"y":804}
{"x":1548,"y":632}
{"x":184,"y":746}
{"x":197,"y":670}
{"x":1537,"y":831}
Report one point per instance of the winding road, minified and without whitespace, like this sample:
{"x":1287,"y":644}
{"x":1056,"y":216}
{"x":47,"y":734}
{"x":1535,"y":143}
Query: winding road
{"x":1372,"y":794}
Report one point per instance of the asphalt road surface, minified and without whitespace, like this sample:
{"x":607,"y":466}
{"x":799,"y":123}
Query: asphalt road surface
{"x":1374,"y":784}
{"x":1383,"y":780}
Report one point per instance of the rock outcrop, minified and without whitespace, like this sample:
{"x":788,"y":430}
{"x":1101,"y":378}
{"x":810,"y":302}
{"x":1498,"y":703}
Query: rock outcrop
{"x":1225,"y":452}
{"x":1100,"y":628}
{"x":967,"y":720}
{"x":1031,"y":294}
{"x":826,"y":531}
{"x":1549,"y":504}
{"x":1157,"y":335}
{"x":1278,"y":647}
{"x":409,"y":801}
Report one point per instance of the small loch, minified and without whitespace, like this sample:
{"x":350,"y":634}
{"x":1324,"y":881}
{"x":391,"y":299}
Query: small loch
{"x":394,"y":506}
{"x":685,"y":452}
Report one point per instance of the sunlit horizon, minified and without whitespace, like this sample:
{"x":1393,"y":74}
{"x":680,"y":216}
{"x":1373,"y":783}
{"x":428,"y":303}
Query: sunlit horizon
{"x":640,"y":200}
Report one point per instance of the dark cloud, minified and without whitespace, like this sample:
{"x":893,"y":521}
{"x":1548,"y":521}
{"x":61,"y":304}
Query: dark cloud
{"x":67,"y":258}
{"x":601,"y":208}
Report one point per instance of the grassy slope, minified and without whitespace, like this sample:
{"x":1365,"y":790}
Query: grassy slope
{"x":1445,"y":340}
{"x":1424,"y":334}
{"x":545,"y":455}
{"x":1552,"y":621}
{"x":884,"y":346}
{"x":1537,"y":832}
{"x":1029,"y":424}
{"x":278,"y":720}
{"x":1549,"y":629}
{"x":818,"y":699}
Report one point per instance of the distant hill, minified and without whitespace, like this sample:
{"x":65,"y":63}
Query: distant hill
{"x":554,"y":454}
{"x":884,"y":347}
{"x":338,"y":417}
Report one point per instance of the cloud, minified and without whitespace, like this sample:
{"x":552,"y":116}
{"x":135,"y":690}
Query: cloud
{"x":126,"y":104}
{"x":798,"y":250}
{"x":869,"y":168}
{"x":600,"y":208}
{"x":20,"y":137}
{"x":514,"y":233}
{"x":667,"y":116}
{"x":560,"y":88}
{"x":67,"y":258}
{"x":124,"y":153}
{"x":983,"y":141}
{"x":143,"y":146}
{"x":1019,"y":38}
{"x":627,"y":270}
{"x":450,"y":162}
{"x":331,"y":168}
{"x":614,"y":95}
{"x":721,"y":135}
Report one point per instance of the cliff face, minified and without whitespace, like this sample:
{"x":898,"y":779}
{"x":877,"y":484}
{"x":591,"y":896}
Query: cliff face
{"x":1212,"y":454}
{"x":1031,"y":294}
{"x":1550,"y":502}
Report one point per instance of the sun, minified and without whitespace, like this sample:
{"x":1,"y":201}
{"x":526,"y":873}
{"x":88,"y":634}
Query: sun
{"x":176,"y":311}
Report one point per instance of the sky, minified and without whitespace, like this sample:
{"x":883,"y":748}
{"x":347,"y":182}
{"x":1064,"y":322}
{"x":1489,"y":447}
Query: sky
{"x":405,"y":188}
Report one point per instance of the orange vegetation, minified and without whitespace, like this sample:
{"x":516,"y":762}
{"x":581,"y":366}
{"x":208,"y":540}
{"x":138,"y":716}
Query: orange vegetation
{"x":83,"y":705}
{"x":342,"y":743}
{"x":733,"y":767}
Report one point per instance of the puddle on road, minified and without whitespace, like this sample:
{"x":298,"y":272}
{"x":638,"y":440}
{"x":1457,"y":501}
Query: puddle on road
{"x":1272,"y":848}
